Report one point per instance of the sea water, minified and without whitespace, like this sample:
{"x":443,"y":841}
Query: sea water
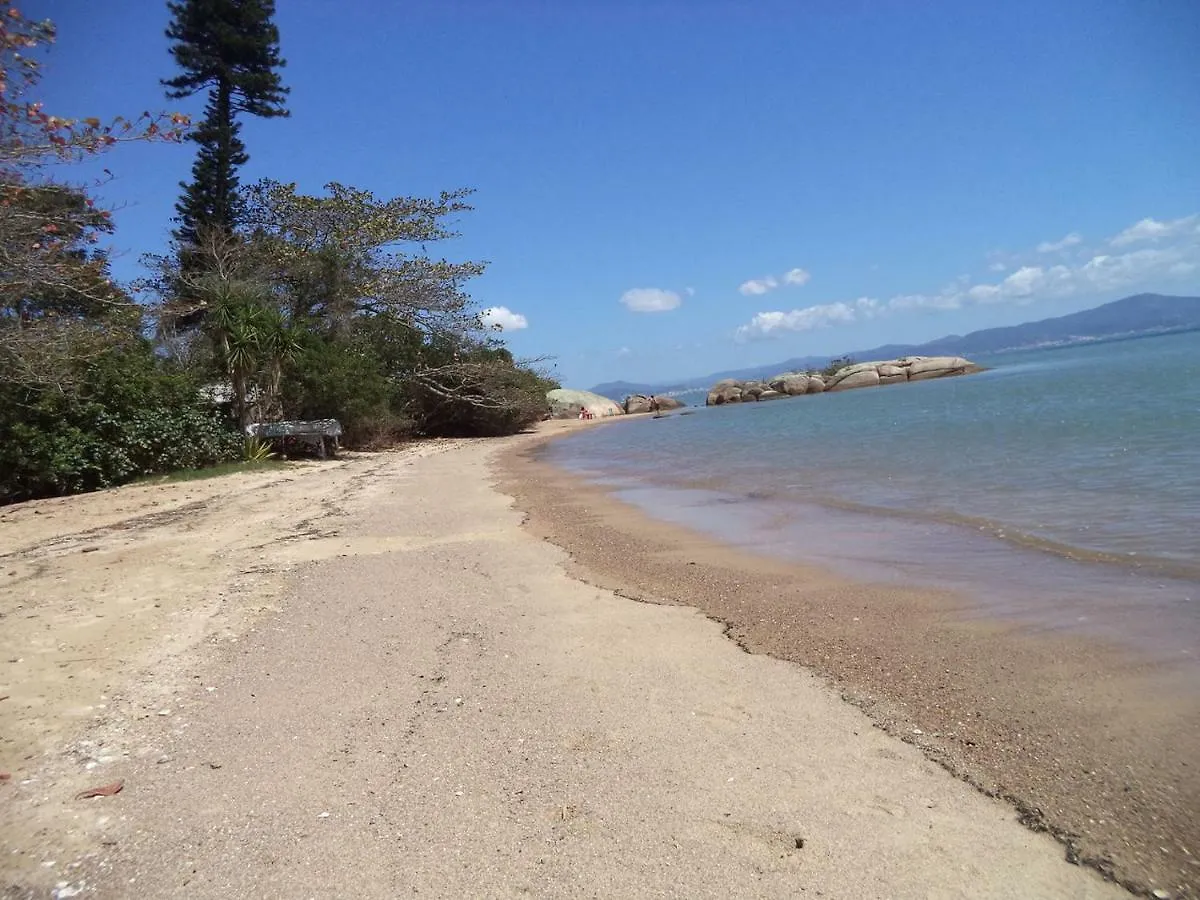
{"x":1061,"y":486}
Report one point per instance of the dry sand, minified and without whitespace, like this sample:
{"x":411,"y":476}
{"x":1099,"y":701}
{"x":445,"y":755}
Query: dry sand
{"x":365,"y":679}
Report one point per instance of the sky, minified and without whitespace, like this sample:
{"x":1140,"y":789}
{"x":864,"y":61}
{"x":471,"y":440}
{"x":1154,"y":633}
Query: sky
{"x":667,"y":188}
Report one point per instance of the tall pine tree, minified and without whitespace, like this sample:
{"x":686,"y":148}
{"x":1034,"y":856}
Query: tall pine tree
{"x":231,"y":49}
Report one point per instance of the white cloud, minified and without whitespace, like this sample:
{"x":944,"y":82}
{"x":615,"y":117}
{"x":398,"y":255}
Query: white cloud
{"x":1176,"y":256}
{"x":758,"y":286}
{"x":650,"y":300}
{"x":1058,"y":246}
{"x":942,"y":301}
{"x":624,"y":351}
{"x":772,"y":324}
{"x":501,"y":318}
{"x":1111,"y":272}
{"x":1152,"y":230}
{"x":997,"y":267}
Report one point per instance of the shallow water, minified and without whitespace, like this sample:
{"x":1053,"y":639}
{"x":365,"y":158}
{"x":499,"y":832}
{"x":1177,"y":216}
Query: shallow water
{"x":1061,"y":486}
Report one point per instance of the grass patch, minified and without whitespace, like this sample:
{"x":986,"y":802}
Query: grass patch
{"x":229,"y":468}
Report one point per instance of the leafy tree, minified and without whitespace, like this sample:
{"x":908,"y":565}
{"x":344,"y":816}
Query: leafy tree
{"x":343,"y":265}
{"x":221,"y":296}
{"x":84,"y":401}
{"x":57,"y":302}
{"x":465,"y":389}
{"x":231,"y":49}
{"x":329,"y":306}
{"x":343,"y":378}
{"x":347,"y":254}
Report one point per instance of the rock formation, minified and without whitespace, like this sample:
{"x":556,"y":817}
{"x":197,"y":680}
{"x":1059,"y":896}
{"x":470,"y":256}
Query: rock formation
{"x":566,"y":404}
{"x":644,"y":403}
{"x":868,"y":374}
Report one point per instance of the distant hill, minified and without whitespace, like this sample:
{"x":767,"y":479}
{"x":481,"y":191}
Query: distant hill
{"x":1141,"y":314}
{"x":622,"y":389}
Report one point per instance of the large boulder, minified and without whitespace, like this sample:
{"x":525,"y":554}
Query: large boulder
{"x":920,"y":368}
{"x":848,"y":372}
{"x":644,"y":403}
{"x":794,"y":384}
{"x":752,"y":390}
{"x":727,"y":391}
{"x":566,"y":404}
{"x":863,"y":376}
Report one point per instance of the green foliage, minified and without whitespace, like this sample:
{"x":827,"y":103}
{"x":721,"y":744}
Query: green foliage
{"x":302,"y":306}
{"x":231,"y":49}
{"x":126,"y":418}
{"x":344,"y":379}
{"x":257,"y":450}
{"x":462,"y":388}
{"x":836,"y":365}
{"x":211,"y":199}
{"x":490,"y":399}
{"x":252,"y":341}
{"x":231,"y":41}
{"x":342,"y":255}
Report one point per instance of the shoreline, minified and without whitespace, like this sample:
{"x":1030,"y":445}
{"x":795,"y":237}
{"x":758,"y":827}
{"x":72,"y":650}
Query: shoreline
{"x":1086,"y":739}
{"x":1005,"y":579}
{"x":366,"y":677}
{"x":1012,"y":535}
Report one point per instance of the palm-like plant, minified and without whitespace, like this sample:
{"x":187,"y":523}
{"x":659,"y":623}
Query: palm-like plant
{"x":252,"y":339}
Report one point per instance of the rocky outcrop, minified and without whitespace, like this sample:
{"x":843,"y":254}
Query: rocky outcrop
{"x":861,"y":375}
{"x":644,"y":403}
{"x":566,"y":404}
{"x":868,"y":374}
{"x":794,"y":384}
{"x":727,"y":391}
{"x":922,"y":367}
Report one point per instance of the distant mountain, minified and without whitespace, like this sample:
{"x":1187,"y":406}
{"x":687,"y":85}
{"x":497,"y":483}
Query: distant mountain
{"x":1141,"y":314}
{"x":622,"y":389}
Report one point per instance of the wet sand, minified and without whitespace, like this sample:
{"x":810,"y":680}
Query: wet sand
{"x":1089,"y":741}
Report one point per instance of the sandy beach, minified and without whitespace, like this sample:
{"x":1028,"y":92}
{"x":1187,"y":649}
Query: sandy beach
{"x":374,"y":677}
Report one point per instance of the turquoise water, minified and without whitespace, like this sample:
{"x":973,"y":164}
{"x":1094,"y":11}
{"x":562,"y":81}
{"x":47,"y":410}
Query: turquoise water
{"x":1062,"y":483}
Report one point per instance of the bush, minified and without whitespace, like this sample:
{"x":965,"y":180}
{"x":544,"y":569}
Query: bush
{"x":491,"y":398}
{"x":125,"y":418}
{"x":836,"y":365}
{"x":344,"y":380}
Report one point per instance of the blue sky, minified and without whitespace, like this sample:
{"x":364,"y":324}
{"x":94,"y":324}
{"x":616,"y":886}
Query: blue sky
{"x":670,"y":188}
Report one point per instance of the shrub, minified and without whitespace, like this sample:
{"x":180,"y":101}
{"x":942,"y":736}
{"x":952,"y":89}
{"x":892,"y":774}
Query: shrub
{"x":124,"y":419}
{"x":836,"y":365}
{"x":344,"y":380}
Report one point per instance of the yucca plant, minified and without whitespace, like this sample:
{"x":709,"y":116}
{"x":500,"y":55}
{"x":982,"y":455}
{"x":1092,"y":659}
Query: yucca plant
{"x":257,"y":450}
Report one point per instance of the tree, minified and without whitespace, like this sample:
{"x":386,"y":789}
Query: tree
{"x":57,"y":302}
{"x":348,"y":253}
{"x":231,"y":49}
{"x":223,"y":298}
{"x":84,"y":400}
{"x":329,"y":306}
